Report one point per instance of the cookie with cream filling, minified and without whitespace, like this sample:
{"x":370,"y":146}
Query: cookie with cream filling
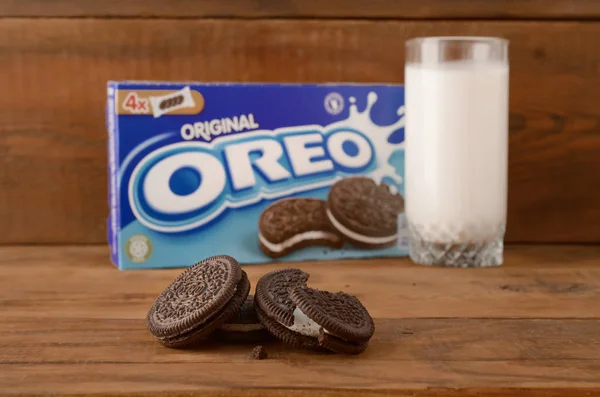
{"x":294,"y":223}
{"x":308,"y":318}
{"x":364,"y":213}
{"x":245,"y":327}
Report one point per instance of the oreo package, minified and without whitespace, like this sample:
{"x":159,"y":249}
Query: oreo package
{"x":261,"y":172}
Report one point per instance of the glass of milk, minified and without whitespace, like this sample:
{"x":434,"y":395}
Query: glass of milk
{"x":456,"y":137}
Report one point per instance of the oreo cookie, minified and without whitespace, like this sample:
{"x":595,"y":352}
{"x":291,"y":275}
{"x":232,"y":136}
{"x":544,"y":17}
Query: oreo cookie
{"x":293,"y":223}
{"x":272,"y":295}
{"x":338,"y":320}
{"x":244,"y":327}
{"x":364,"y":212}
{"x":309,"y":318}
{"x":275,"y":309}
{"x":198,"y":301}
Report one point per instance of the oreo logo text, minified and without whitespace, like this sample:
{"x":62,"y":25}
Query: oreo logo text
{"x":185,"y":185}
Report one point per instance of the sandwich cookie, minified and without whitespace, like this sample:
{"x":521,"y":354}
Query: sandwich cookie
{"x":275,"y":309}
{"x":198,"y":301}
{"x":338,"y":321}
{"x":293,"y":223}
{"x":307,"y":318}
{"x":364,"y":212}
{"x":245,"y":327}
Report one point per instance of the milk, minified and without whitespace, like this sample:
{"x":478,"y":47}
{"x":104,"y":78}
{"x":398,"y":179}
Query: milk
{"x":456,"y":150}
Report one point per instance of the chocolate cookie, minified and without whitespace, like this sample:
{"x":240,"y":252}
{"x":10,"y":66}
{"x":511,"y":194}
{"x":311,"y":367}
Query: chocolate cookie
{"x":245,"y":327}
{"x":311,"y":319}
{"x":293,"y":223}
{"x":364,"y":212}
{"x":198,"y":302}
{"x":273,"y":294}
{"x":275,"y":309}
{"x":287,"y":335}
{"x":338,"y":320}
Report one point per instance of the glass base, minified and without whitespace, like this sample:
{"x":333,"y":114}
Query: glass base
{"x":469,"y":254}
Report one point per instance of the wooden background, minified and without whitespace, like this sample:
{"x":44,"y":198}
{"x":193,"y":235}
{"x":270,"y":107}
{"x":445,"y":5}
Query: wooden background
{"x":56,"y":57}
{"x":527,"y":328}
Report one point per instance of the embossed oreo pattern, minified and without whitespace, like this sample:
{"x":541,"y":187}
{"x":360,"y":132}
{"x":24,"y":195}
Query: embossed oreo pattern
{"x":198,"y":293}
{"x":341,"y":314}
{"x":273,"y":293}
{"x":205,"y":329}
{"x":286,"y":218}
{"x":211,"y":324}
{"x":365,"y":207}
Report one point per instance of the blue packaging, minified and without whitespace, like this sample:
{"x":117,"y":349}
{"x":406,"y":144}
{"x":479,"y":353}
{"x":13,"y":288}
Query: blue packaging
{"x":192,"y":166}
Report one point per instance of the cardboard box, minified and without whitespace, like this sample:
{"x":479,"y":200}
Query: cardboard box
{"x":195,"y":168}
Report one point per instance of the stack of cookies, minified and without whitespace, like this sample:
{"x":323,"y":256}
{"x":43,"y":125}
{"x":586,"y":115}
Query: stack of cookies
{"x":211,"y":300}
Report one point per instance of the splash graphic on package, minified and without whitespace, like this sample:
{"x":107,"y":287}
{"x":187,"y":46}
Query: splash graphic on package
{"x":261,"y":172}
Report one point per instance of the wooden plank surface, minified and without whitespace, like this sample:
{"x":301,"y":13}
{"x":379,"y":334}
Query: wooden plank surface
{"x":53,"y":186}
{"x":399,"y":9}
{"x":73,"y":324}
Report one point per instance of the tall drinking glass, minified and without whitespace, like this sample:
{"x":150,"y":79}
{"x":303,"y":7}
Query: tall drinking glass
{"x":456,"y":149}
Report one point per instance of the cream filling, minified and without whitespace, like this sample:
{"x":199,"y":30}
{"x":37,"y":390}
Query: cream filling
{"x":359,"y":237}
{"x":304,"y":325}
{"x":241,"y":327}
{"x":313,"y":235}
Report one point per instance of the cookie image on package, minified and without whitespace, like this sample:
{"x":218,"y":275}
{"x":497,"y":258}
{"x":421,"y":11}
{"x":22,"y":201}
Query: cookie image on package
{"x":244,"y":327}
{"x":198,"y":301}
{"x":293,"y":223}
{"x":164,"y":104}
{"x":311,"y":319}
{"x":364,"y":212}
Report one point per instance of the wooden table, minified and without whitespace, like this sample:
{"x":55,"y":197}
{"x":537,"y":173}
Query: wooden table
{"x":72,"y":324}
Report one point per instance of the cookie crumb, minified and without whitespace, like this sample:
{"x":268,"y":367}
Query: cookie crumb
{"x":259,"y":353}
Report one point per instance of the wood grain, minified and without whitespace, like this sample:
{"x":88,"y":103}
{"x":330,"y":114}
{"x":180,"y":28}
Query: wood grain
{"x":420,"y":292}
{"x":73,"y":324}
{"x":54,"y":72}
{"x":348,"y":392}
{"x":399,"y":9}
